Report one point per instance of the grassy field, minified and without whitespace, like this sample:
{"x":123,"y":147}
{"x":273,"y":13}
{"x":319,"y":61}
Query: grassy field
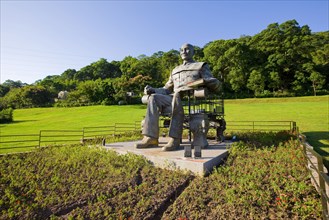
{"x":33,"y":120}
{"x":310,"y":113}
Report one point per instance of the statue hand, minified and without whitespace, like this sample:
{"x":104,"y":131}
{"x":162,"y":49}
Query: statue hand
{"x":213,"y":84}
{"x":148,"y":90}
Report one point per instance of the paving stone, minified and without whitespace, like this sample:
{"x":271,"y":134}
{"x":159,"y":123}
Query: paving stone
{"x":212,"y":156}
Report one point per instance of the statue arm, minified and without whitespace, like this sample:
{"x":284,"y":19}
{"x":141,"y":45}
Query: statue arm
{"x":166,"y":90}
{"x":168,"y":87}
{"x":212,"y":83}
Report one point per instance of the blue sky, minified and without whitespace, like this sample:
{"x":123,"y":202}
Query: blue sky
{"x":41,"y":38}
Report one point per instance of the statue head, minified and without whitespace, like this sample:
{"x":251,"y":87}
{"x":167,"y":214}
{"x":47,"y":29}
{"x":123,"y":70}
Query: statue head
{"x":187,"y":52}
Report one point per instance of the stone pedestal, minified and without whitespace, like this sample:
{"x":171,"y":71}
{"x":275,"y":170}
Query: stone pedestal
{"x":199,"y":125}
{"x":187,"y":151}
{"x":197,"y":151}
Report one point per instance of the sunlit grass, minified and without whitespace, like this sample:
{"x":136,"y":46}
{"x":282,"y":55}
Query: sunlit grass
{"x":310,"y":113}
{"x":36,"y":119}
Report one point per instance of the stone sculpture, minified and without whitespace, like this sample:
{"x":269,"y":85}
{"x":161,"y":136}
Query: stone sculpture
{"x":167,"y":100}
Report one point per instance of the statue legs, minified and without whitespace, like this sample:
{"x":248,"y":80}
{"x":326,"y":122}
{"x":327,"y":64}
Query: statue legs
{"x":165,"y":104}
{"x":156,"y":103}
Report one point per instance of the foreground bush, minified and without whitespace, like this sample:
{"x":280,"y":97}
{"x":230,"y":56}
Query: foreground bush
{"x":259,"y":181}
{"x":82,"y":182}
{"x":264,"y":178}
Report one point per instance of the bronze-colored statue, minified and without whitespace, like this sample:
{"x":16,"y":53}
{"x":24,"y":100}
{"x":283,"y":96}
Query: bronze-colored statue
{"x":168,"y":99}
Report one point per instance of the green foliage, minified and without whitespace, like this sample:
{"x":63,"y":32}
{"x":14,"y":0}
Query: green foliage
{"x":82,"y":182}
{"x":282,"y":60}
{"x":267,"y":181}
{"x":27,"y":97}
{"x":6,"y":115}
{"x":287,"y":50}
{"x":256,"y":82}
{"x":264,"y":177}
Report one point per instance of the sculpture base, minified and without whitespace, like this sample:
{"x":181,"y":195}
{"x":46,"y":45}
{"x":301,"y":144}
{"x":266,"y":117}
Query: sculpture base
{"x":211,"y":157}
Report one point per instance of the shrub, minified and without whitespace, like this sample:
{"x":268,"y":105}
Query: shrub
{"x":261,"y":179}
{"x":6,"y":115}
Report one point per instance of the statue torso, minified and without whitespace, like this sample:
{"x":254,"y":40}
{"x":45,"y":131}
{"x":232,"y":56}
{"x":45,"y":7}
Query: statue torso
{"x":184,"y":74}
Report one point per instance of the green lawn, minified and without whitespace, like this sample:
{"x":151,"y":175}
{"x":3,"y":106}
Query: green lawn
{"x":30,"y":121}
{"x":310,"y":113}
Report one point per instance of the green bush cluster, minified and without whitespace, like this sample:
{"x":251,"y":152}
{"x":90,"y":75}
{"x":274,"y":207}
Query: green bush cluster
{"x":6,"y":115}
{"x":260,"y":180}
{"x":83,"y":182}
{"x":264,"y":177}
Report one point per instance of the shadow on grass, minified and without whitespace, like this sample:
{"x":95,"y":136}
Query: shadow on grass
{"x":320,"y":141}
{"x":17,"y":122}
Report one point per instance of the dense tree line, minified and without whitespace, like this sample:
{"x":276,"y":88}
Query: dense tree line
{"x":282,"y":60}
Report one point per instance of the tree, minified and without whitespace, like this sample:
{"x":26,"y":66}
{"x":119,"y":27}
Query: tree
{"x":27,"y":97}
{"x":286,"y":48}
{"x":317,"y":81}
{"x":256,"y":82}
{"x":289,"y":58}
{"x":320,"y":55}
{"x":274,"y":81}
{"x":13,"y":99}
{"x":236,"y":80}
{"x":103,"y":69}
{"x":53,"y":83}
{"x":36,"y":96}
{"x":127,"y":66}
{"x":7,"y":85}
{"x":91,"y":91}
{"x":13,"y":84}
{"x":168,"y":61}
{"x":115,"y":69}
{"x":231,"y":61}
{"x":68,"y":74}
{"x":85,"y":73}
{"x":3,"y":90}
{"x":198,"y":53}
{"x":214,"y":56}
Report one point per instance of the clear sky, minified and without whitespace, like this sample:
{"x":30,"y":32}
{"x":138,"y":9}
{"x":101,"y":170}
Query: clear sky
{"x":41,"y":38}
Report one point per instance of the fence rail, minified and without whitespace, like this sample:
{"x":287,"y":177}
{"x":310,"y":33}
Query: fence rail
{"x":320,"y":179}
{"x":53,"y":137}
{"x":261,"y":125}
{"x":19,"y":141}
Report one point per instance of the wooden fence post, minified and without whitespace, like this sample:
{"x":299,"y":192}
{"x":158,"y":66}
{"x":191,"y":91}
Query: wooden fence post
{"x":83,"y":136}
{"x":39,"y":138}
{"x":322,"y":188}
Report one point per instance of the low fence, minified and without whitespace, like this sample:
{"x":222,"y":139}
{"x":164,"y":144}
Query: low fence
{"x":261,"y":126}
{"x":320,"y":179}
{"x":116,"y":129}
{"x":19,"y":141}
{"x":55,"y":137}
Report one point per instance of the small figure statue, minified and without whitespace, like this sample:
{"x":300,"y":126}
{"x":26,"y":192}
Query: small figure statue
{"x":168,"y":99}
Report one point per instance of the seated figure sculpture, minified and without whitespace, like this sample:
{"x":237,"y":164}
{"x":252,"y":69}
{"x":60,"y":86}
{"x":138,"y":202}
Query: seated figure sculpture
{"x":167,"y":100}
